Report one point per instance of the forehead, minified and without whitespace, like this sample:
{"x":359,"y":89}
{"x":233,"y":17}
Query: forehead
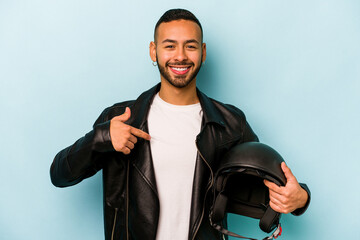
{"x":179,"y":30}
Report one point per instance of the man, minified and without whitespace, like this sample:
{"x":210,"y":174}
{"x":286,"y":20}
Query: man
{"x":159,"y":153}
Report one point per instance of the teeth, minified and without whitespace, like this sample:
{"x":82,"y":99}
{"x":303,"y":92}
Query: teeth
{"x":179,"y":69}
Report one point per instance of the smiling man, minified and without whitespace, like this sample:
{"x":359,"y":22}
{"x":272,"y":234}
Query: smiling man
{"x":158,"y":153}
{"x":178,"y":49}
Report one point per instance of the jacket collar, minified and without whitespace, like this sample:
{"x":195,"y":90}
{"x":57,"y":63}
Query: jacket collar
{"x":210,"y":112}
{"x":141,"y":107}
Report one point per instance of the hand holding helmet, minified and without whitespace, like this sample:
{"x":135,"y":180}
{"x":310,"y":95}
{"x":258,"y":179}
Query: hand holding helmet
{"x":239,"y":188}
{"x":286,"y":199}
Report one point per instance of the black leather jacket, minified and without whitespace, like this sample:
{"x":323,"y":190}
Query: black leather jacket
{"x":131,"y":203}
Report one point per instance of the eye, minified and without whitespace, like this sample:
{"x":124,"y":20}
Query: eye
{"x":191,"y":47}
{"x":170,"y":46}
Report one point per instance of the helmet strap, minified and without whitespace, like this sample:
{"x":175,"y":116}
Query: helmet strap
{"x":275,"y":234}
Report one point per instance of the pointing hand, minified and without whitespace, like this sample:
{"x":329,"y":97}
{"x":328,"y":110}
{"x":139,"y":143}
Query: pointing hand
{"x":123,"y":136}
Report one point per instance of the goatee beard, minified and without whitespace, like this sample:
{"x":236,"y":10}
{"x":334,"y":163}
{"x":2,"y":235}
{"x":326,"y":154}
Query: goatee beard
{"x":178,"y":81}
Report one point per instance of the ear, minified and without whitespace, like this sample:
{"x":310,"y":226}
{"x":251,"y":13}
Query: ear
{"x":203,"y":52}
{"x":152,"y":49}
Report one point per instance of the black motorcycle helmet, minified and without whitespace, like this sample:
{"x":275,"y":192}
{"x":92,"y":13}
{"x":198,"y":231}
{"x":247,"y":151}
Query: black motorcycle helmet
{"x":239,"y":186}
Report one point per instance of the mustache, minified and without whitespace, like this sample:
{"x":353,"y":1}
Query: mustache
{"x":180,"y":63}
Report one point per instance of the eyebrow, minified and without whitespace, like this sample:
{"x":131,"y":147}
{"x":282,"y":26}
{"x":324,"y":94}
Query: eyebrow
{"x":174,"y":41}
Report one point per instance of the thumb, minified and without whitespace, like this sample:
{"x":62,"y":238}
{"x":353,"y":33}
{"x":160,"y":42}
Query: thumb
{"x":125,"y":116}
{"x":287,"y":172}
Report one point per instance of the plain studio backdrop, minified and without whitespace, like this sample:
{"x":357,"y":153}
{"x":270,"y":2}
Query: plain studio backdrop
{"x":293,"y":67}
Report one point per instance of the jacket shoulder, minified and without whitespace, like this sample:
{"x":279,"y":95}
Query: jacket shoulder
{"x":235,"y":121}
{"x":229,"y":109}
{"x":114,"y":110}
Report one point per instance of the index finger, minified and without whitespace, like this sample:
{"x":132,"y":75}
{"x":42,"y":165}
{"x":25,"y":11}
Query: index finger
{"x":140,"y":133}
{"x":272,"y":186}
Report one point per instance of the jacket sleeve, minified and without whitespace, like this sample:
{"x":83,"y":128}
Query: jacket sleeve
{"x":81,"y":160}
{"x":300,"y":211}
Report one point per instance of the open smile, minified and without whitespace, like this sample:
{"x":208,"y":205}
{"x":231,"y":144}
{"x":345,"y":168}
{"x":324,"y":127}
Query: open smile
{"x":180,"y":70}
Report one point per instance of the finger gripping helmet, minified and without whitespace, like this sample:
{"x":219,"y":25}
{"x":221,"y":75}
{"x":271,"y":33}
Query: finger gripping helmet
{"x":239,"y":186}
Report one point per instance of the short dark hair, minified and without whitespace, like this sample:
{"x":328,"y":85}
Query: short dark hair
{"x":177,"y":14}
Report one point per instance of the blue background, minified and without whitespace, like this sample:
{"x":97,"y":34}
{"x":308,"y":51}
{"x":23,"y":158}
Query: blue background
{"x":292,"y":66}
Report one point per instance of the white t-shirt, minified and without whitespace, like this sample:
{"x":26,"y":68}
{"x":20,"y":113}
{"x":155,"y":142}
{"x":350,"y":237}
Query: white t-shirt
{"x":173,"y":130}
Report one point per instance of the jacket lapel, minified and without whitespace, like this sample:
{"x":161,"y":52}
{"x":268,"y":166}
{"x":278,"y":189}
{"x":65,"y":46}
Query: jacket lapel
{"x":142,"y":159}
{"x":208,"y":136}
{"x":203,"y":176}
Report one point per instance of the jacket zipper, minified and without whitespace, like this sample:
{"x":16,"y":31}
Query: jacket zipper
{"x":127,"y":208}
{"x":113,"y":229}
{"x":209,"y":187}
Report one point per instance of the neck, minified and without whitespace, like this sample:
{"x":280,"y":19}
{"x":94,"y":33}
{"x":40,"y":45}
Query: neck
{"x":178,"y":96}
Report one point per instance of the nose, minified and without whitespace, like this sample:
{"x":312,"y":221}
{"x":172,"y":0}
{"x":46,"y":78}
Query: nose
{"x":180,"y":55}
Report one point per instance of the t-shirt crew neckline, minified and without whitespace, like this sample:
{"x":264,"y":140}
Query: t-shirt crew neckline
{"x":189,"y":107}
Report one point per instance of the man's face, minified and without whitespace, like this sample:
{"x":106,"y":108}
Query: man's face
{"x":178,"y":51}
